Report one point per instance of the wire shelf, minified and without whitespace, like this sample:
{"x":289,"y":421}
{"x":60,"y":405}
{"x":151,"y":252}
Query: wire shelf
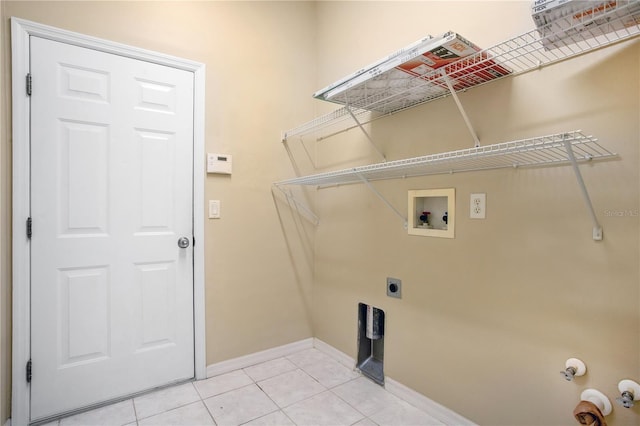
{"x":539,"y":151}
{"x":380,"y":97}
{"x":339,"y":119}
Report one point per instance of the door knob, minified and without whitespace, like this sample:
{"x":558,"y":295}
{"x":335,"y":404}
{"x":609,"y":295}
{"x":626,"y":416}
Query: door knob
{"x":183,"y":242}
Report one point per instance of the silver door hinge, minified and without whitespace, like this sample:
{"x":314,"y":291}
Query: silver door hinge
{"x":29,"y":84}
{"x":29,"y":371}
{"x":29,"y":227}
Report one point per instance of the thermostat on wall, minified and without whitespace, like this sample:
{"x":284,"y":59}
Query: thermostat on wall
{"x":219,"y":163}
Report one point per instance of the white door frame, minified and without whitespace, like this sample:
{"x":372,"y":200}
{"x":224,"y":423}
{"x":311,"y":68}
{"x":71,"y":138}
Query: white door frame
{"x":21,"y":30}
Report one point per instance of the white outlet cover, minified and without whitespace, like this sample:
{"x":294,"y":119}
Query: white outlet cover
{"x":478,"y":206}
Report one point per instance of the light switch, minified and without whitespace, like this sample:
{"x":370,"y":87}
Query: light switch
{"x":214,"y":209}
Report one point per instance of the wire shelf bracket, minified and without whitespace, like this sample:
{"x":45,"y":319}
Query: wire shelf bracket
{"x":454,"y":95}
{"x":405,"y":222}
{"x":597,"y":228}
{"x":298,"y":206}
{"x":384,"y":158}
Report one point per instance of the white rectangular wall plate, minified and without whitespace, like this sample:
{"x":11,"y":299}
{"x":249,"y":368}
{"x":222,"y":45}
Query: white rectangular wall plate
{"x":214,"y":209}
{"x":219,"y":163}
{"x":478,"y":206}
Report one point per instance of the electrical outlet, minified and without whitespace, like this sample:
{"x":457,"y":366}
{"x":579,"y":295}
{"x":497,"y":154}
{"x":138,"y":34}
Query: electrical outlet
{"x":394,"y":287}
{"x":478,"y":206}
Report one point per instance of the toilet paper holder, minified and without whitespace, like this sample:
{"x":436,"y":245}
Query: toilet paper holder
{"x":629,"y":392}
{"x":573,"y":367}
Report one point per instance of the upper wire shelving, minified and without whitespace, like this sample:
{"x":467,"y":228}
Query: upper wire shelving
{"x":529,"y":51}
{"x":602,"y":25}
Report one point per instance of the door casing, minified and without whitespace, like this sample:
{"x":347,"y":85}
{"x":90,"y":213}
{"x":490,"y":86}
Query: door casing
{"x":21,"y":31}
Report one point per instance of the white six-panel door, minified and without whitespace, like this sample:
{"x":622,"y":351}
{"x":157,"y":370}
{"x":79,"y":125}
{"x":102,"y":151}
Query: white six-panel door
{"x":111,"y":194}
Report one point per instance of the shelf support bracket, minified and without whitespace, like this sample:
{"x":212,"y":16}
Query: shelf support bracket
{"x":454,"y":95}
{"x":384,"y":200}
{"x":365,"y":132}
{"x":299,"y":207}
{"x":597,"y":228}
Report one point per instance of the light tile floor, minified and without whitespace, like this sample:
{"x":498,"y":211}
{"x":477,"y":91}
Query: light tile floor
{"x":308,"y":388}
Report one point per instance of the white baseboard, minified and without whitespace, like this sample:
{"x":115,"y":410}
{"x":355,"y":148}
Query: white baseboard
{"x":440,"y":412}
{"x":414,"y":398}
{"x":258,"y":357}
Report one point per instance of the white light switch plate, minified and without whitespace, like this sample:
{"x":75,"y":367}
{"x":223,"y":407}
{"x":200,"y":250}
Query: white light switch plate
{"x":214,"y":209}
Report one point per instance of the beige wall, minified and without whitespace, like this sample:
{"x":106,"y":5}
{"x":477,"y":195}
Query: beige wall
{"x":260,"y":70}
{"x":488,"y":319}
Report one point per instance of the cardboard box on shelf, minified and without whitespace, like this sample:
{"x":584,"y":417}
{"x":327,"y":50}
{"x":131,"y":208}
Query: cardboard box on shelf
{"x":379,"y":67}
{"x":450,"y":49}
{"x":540,"y":6}
{"x":564,"y":10}
{"x":407,"y":50}
{"x":474,"y":70}
{"x":561,"y":22}
{"x":412,"y":77}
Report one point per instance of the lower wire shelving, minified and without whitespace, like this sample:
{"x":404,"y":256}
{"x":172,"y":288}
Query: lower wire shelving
{"x":569,"y":148}
{"x":538,"y":151}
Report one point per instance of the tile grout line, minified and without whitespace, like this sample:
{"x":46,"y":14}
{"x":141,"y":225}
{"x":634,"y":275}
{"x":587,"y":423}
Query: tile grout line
{"x":326,"y":389}
{"x":253,"y":383}
{"x":280,"y":409}
{"x":206,"y":407}
{"x":135,"y":412}
{"x":265,"y":394}
{"x":138,"y":419}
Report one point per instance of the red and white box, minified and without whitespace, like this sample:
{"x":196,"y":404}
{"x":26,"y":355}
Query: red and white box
{"x":562,"y":22}
{"x":450,"y":49}
{"x":474,"y":70}
{"x":379,"y":67}
{"x":463,"y":65}
{"x":407,"y":50}
{"x":419,"y":73}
